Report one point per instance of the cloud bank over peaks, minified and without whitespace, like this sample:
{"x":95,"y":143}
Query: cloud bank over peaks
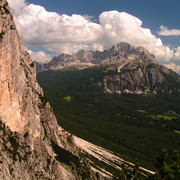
{"x":60,"y":33}
{"x":123,"y":27}
{"x":68,"y":34}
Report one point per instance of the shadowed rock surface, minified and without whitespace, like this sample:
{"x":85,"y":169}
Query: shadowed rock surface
{"x":141,"y":78}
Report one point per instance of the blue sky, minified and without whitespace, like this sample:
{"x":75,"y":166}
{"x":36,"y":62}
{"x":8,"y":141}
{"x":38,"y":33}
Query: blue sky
{"x":153,"y":13}
{"x":155,"y":25}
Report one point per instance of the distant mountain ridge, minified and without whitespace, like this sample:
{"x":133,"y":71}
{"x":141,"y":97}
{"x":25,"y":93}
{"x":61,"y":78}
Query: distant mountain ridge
{"x":125,"y":69}
{"x":120,"y":53}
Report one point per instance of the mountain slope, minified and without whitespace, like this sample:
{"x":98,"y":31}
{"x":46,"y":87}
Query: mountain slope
{"x":32,"y":145}
{"x":142,"y":78}
{"x":24,"y":110}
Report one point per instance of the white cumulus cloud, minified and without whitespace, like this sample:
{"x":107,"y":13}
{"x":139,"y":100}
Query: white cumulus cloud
{"x":123,"y":27}
{"x":68,"y":34}
{"x":164,"y":31}
{"x":60,"y":33}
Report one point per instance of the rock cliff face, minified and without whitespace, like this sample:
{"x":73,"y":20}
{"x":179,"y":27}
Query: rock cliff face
{"x":141,"y":78}
{"x":32,"y":145}
{"x":19,"y":92}
{"x":30,"y":138}
{"x":133,"y":77}
{"x":19,"y":161}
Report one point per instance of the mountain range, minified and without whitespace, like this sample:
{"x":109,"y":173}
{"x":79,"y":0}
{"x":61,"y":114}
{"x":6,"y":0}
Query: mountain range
{"x":121,"y":54}
{"x":125,"y":69}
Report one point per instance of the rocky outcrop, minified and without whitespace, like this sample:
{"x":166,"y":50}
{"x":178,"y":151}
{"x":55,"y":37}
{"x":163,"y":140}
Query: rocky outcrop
{"x":120,"y":53}
{"x":32,"y":145}
{"x":19,"y":161}
{"x":141,"y":78}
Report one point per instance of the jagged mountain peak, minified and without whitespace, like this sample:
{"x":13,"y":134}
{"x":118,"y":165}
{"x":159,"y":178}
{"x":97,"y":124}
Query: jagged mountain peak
{"x":119,"y":53}
{"x":123,"y":46}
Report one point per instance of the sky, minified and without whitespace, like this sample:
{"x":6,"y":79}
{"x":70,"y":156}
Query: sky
{"x":53,"y":27}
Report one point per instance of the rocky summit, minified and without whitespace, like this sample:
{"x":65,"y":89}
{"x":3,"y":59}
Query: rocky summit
{"x":121,"y":53}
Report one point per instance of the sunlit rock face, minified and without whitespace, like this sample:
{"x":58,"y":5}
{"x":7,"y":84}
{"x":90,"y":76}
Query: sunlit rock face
{"x":19,"y":92}
{"x":28,"y":128}
{"x":32,"y":145}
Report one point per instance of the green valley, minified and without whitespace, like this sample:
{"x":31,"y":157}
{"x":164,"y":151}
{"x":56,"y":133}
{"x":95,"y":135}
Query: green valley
{"x":135,"y":126}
